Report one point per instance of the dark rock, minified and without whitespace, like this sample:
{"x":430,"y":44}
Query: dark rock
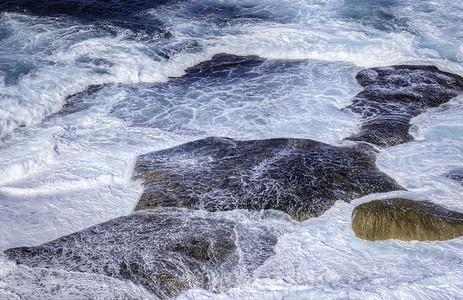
{"x":221,"y":67}
{"x":456,"y":175}
{"x":406,"y":220}
{"x":122,"y":13}
{"x":23,"y":282}
{"x":75,"y":102}
{"x":298,"y":176}
{"x":393,"y":95}
{"x":166,"y":251}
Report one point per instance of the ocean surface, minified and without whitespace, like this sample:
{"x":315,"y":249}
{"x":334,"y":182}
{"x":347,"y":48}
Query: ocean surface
{"x":88,"y":85}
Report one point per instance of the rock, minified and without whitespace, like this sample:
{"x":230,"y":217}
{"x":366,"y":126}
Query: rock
{"x":166,"y":251}
{"x":23,"y":282}
{"x":455,"y":175}
{"x":393,"y":95}
{"x":298,"y":176}
{"x":406,"y":220}
{"x":75,"y":102}
{"x":221,"y":67}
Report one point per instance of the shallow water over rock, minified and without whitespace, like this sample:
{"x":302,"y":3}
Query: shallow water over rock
{"x":298,"y":176}
{"x":455,"y":175}
{"x":165,"y":250}
{"x":393,"y":95}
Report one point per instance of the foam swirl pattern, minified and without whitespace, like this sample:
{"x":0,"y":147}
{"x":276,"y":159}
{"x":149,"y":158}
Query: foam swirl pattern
{"x":87,"y":86}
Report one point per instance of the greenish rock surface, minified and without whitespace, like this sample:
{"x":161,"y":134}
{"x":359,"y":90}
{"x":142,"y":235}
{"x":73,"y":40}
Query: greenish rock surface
{"x":298,"y":176}
{"x":406,"y":220}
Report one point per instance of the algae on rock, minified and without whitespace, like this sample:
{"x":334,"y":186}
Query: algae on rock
{"x":406,"y":220}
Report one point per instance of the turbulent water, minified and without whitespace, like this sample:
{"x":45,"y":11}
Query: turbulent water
{"x":88,"y":85}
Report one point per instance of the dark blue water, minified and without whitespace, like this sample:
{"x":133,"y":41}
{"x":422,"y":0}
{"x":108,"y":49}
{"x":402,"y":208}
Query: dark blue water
{"x":112,"y":9}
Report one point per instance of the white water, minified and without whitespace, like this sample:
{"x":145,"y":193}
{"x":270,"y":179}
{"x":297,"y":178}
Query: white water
{"x":66,"y":171}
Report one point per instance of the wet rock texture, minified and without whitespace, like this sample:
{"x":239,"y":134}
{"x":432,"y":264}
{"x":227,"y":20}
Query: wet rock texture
{"x":298,"y":176}
{"x":23,"y":282}
{"x":456,"y":175}
{"x":393,"y":95}
{"x":406,"y":220}
{"x":166,"y":251}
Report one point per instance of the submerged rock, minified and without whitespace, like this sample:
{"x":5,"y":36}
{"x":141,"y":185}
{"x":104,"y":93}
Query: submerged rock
{"x":456,"y":175}
{"x":393,"y":95}
{"x":23,"y":282}
{"x":166,"y":251}
{"x":298,"y":176}
{"x":406,"y":220}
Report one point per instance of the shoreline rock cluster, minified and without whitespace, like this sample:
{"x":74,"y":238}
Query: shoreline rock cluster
{"x":167,"y":248}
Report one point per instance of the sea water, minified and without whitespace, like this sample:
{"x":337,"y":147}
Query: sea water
{"x":86,"y":86}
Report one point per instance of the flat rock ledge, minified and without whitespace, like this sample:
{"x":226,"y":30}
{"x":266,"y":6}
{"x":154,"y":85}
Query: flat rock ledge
{"x":166,"y":251}
{"x":301,"y":177}
{"x":406,"y":220}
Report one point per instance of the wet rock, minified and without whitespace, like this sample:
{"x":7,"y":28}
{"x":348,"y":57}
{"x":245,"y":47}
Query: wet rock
{"x":393,"y":95}
{"x":23,"y":282}
{"x":456,"y":175}
{"x":166,"y":251}
{"x":298,"y":176}
{"x":406,"y":220}
{"x":221,"y":67}
{"x":75,"y":102}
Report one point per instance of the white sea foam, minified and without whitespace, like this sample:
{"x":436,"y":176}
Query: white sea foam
{"x":324,"y":30}
{"x":68,"y":57}
{"x":323,"y":258}
{"x":20,"y":282}
{"x":421,"y":165}
{"x":298,"y":99}
{"x":70,"y":170}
